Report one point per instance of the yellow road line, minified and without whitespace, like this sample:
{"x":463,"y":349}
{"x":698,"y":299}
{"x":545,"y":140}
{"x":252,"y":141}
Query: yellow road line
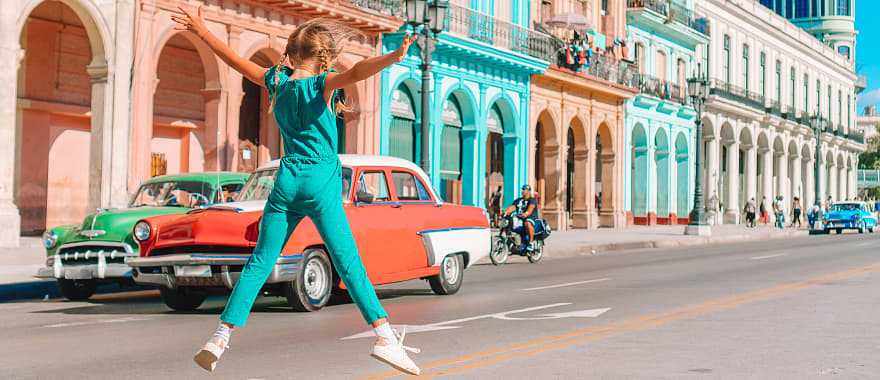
{"x":539,"y":345}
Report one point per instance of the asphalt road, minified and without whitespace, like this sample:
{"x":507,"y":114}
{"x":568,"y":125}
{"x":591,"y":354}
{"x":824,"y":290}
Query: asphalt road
{"x":798,"y":308}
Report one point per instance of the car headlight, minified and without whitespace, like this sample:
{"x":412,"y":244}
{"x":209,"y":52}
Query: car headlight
{"x":142,"y":231}
{"x":50,"y":238}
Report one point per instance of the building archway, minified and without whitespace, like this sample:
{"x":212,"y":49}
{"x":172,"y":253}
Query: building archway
{"x":403,"y":135}
{"x":604,"y":176}
{"x":765,"y":172}
{"x":662,"y":158}
{"x":830,"y":178}
{"x":576,"y":172}
{"x":258,"y":138}
{"x":795,"y":186}
{"x":501,"y":148}
{"x":779,"y":168}
{"x":682,"y":171}
{"x":730,"y":174}
{"x":639,"y":185}
{"x":841,"y":178}
{"x":547,"y":173}
{"x":807,"y":177}
{"x":185,"y":136}
{"x":61,"y":85}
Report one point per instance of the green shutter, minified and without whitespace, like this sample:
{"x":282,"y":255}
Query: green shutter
{"x":403,"y":136}
{"x":451,"y":156}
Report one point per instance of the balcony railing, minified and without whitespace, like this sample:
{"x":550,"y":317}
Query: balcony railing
{"x":485,"y":28}
{"x":469,"y":23}
{"x":737,"y":94}
{"x":661,"y":88}
{"x":673,"y":12}
{"x":602,"y":67}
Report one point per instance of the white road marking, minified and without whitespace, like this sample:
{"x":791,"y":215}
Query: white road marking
{"x":447,"y":325}
{"x":97,"y":322}
{"x":566,"y":284}
{"x":768,"y":256}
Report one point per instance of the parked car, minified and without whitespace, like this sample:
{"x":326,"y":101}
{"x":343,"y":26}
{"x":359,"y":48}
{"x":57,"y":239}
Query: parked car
{"x":403,"y":231}
{"x":849,"y":216}
{"x":82,"y":255}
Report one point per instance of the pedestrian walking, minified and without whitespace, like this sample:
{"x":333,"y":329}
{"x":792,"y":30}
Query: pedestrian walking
{"x":796,"y":212}
{"x":763,"y":210}
{"x":779,"y":211}
{"x":495,"y":206}
{"x":749,"y":210}
{"x":309,"y":180}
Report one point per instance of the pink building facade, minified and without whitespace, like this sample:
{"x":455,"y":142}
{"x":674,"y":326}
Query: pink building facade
{"x":96,"y":97}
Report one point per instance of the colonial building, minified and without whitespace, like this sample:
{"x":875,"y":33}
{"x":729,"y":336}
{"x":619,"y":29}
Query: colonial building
{"x":479,"y":112}
{"x":99,"y":95}
{"x":768,"y":77}
{"x":577,"y":114}
{"x":659,"y":120}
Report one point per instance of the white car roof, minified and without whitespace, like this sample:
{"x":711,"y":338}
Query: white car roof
{"x":849,"y":203}
{"x":373,"y":160}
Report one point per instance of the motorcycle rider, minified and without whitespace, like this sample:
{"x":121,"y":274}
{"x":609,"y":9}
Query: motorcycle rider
{"x":526,"y":208}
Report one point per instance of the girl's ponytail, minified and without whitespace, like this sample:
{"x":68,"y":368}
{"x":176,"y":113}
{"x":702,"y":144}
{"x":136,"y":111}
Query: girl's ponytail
{"x":273,"y":97}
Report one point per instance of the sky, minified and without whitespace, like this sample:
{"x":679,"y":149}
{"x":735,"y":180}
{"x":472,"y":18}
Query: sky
{"x":867,"y":52}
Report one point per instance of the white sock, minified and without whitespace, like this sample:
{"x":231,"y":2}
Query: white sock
{"x":223,"y":332}
{"x":384,"y":331}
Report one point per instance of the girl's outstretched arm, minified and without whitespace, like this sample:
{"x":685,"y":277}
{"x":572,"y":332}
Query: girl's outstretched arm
{"x":196,"y":24}
{"x":367,"y":67}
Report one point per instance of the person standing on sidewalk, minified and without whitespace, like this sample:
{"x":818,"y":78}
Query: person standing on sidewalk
{"x":763,"y":210}
{"x":495,"y":206}
{"x":779,"y":211}
{"x":749,"y":210}
{"x":796,"y":212}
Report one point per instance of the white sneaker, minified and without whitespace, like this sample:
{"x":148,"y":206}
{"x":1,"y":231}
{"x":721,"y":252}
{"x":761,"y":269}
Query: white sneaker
{"x":209,"y":355}
{"x":395,"y":355}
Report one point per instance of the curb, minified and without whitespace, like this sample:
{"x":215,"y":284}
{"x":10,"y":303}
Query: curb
{"x":48,"y":289}
{"x":591,"y":249}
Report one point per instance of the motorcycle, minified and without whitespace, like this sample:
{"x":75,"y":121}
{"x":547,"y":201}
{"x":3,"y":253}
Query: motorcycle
{"x":507,"y":242}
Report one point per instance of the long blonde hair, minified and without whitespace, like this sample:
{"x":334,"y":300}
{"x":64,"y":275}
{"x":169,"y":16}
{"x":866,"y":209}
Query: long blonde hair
{"x":319,"y":39}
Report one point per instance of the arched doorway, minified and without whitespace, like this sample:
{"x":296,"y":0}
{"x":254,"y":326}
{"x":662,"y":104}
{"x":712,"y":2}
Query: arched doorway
{"x":258,"y":140}
{"x":185,"y":110}
{"x":661,"y":158}
{"x":403,"y":136}
{"x":795,"y":187}
{"x":62,"y":66}
{"x":576,"y":170}
{"x":682,"y":171}
{"x":547,"y":173}
{"x":639,"y":185}
{"x":604,"y":178}
{"x":501,"y":145}
{"x":451,"y":152}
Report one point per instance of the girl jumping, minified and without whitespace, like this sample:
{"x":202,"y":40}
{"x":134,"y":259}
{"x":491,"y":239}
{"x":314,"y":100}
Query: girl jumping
{"x":309,"y":179}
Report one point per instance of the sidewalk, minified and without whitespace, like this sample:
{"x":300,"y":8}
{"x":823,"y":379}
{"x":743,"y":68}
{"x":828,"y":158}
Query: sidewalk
{"x":586,"y":242}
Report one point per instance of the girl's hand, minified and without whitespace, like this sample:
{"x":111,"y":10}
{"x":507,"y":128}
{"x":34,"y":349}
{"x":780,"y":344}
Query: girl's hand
{"x":191,"y":22}
{"x":408,"y":40}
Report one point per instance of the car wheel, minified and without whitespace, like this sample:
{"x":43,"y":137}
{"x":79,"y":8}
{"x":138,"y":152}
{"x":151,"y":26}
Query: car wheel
{"x":311,"y":289}
{"x":77,"y":290}
{"x":450,"y":277}
{"x":537,"y":254}
{"x":861,"y":227}
{"x":499,"y":252}
{"x":182,"y":298}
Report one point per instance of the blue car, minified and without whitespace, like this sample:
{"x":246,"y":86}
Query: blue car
{"x":849,"y":216}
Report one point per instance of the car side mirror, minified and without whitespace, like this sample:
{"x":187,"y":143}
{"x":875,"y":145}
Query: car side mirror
{"x":364,"y":197}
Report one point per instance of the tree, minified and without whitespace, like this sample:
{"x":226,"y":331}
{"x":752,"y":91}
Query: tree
{"x":870,"y":159}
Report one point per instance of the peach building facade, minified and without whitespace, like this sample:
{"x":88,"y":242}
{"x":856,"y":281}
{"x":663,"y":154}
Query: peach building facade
{"x":97,"y":96}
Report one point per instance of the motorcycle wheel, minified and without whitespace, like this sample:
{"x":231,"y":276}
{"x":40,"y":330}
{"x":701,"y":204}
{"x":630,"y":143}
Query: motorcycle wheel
{"x":499,"y":254}
{"x":537,"y":254}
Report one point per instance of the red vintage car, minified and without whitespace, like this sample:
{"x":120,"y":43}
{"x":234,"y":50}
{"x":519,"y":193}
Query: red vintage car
{"x":402,"y":229}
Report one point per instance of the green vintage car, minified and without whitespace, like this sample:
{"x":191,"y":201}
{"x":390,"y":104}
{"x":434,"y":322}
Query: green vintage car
{"x":80,"y":256}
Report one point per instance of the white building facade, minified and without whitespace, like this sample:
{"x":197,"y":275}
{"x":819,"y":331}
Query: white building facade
{"x":769,"y":80}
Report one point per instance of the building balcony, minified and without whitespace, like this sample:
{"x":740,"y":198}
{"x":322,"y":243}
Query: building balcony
{"x":737,"y":94}
{"x":657,"y":14}
{"x":601,"y":67}
{"x":861,"y":83}
{"x":468,"y":23}
{"x":661,"y":88}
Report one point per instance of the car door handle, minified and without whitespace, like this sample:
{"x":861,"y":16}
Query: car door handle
{"x":396,"y":205}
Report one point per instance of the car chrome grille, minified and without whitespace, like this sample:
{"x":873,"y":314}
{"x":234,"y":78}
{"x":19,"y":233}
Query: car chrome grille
{"x":88,"y":254}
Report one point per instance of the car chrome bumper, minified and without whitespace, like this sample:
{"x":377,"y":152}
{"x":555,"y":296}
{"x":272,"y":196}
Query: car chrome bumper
{"x":224,"y":270}
{"x":99,"y":270}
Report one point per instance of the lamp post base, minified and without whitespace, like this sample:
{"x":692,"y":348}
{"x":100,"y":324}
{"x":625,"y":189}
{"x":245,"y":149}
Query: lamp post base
{"x":698,"y":230}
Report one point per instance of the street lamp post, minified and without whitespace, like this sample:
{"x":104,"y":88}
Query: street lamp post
{"x":817,"y":131}
{"x":430,"y":17}
{"x":698,"y":91}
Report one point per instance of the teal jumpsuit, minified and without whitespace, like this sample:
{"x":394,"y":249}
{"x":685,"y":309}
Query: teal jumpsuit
{"x":308,"y":184}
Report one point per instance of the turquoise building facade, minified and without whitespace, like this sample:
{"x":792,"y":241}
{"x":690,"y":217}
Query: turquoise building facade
{"x":481,"y":69}
{"x":659,"y":135}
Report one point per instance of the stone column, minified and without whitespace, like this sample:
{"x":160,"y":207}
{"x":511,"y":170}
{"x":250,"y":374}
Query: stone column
{"x":10,"y":59}
{"x":651,"y":176}
{"x":767,"y":178}
{"x":711,"y":167}
{"x":782,"y":176}
{"x":235,"y":94}
{"x":797,"y":188}
{"x":731,"y":204}
{"x":809,"y":183}
{"x":751,"y":173}
{"x":101,"y":131}
{"x":832,"y":182}
{"x":579,"y":215}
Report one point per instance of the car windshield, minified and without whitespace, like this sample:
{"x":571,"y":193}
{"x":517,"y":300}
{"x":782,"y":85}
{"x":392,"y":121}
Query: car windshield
{"x":189,"y":194}
{"x":260,"y":184}
{"x":845,"y":207}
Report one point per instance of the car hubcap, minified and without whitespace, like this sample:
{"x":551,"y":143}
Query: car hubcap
{"x":315,"y":279}
{"x":450,"y":269}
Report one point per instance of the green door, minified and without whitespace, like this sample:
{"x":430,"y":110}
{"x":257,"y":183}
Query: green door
{"x":403,"y":137}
